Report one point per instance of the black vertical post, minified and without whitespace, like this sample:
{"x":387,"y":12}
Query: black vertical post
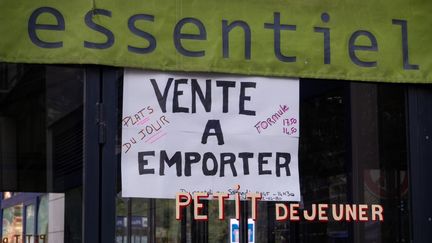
{"x":204,"y":224}
{"x":348,"y":126}
{"x":24,"y":221}
{"x":243,"y":222}
{"x":91,"y":182}
{"x":199,"y":229}
{"x":152,"y":221}
{"x":129,"y":221}
{"x":109,"y":127}
{"x":183,"y":226}
{"x":420,"y":157}
{"x":194,"y":230}
{"x":271,"y":226}
{"x":100,"y":158}
{"x":1,"y":210}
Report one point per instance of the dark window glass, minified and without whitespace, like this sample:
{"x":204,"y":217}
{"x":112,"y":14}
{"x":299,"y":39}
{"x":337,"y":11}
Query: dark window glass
{"x":41,"y":150}
{"x":352,"y":150}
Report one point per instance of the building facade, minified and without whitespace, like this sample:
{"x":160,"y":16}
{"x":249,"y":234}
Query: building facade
{"x":365,"y":115}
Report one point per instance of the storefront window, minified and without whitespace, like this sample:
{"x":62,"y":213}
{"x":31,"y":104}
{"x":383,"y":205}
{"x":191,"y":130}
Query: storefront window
{"x":353,"y":150}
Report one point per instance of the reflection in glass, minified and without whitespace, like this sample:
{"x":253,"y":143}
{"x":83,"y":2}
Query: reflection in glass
{"x":219,"y":230}
{"x":7,"y":195}
{"x":167,"y":227}
{"x":12,"y":223}
{"x":121,"y":220}
{"x":41,"y":146}
{"x":42,"y":225}
{"x":139,"y":221}
{"x":30,"y":223}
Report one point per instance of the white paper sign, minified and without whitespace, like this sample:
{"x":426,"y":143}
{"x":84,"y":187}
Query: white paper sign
{"x":204,"y":132}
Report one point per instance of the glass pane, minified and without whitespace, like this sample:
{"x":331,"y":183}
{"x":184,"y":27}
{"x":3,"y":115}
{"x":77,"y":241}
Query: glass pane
{"x":41,"y":128}
{"x":139,"y":220}
{"x":323,"y":161}
{"x":42,"y":220}
{"x":72,"y":215}
{"x":220,"y":230}
{"x":148,"y":218}
{"x":30,"y":224}
{"x":12,"y":223}
{"x":352,"y":151}
{"x":166,"y":226}
{"x":121,"y":220}
{"x":384,"y":178}
{"x":41,"y":146}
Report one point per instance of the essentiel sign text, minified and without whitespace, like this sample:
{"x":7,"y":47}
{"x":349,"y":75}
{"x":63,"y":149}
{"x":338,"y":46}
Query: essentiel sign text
{"x":275,"y":28}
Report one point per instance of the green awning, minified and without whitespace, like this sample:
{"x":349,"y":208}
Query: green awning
{"x":368,"y":40}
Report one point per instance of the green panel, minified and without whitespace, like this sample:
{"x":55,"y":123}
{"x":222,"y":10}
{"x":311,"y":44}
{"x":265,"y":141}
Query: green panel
{"x":346,"y":17}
